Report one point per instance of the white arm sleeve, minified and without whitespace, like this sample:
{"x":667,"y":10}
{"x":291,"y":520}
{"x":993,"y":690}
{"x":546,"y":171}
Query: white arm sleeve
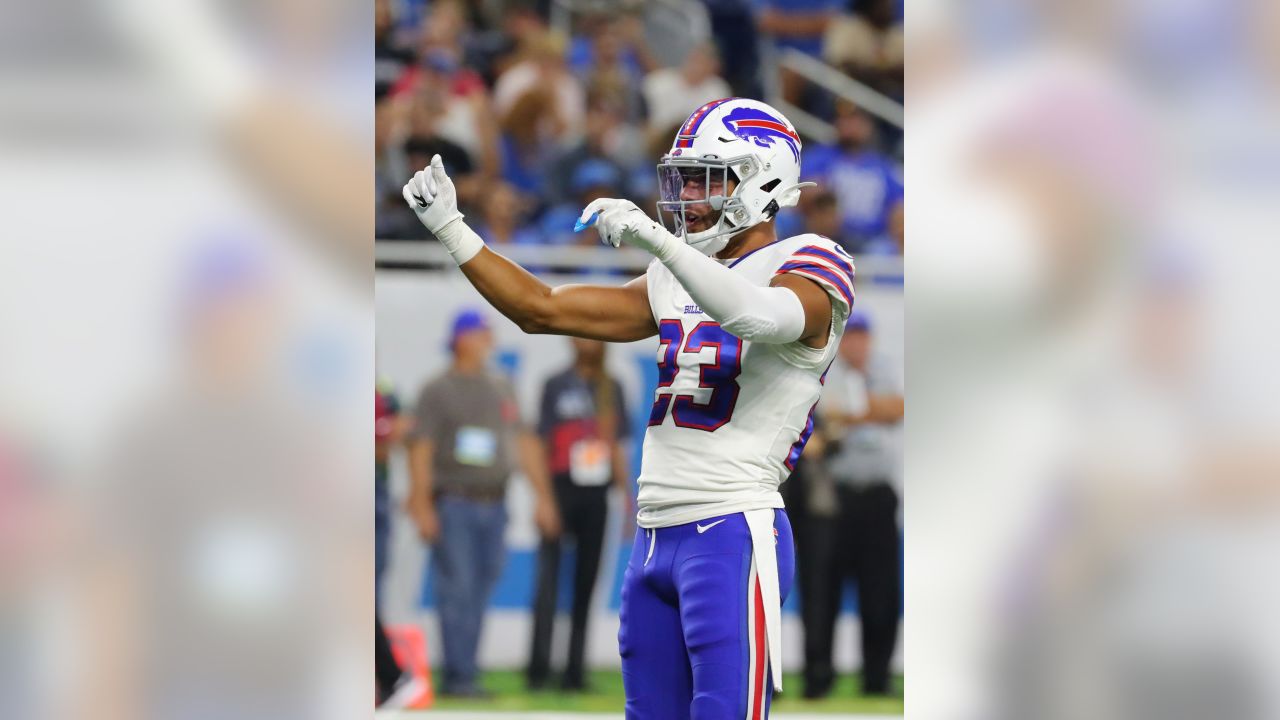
{"x":759,"y":314}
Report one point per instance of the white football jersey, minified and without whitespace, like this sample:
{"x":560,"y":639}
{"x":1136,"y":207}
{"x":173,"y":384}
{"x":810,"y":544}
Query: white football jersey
{"x":730,"y":417}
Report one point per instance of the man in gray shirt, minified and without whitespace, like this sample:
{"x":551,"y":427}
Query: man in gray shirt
{"x":862,"y":405}
{"x":466,"y":442}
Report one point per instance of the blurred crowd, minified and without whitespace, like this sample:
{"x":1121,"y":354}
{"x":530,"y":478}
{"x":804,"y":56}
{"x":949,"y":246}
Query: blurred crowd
{"x":533,"y":124}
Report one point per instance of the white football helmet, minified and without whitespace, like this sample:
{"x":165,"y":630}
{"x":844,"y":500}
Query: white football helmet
{"x":732,"y":138}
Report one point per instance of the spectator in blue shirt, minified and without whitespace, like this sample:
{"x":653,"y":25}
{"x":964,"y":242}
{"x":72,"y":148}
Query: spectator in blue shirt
{"x":866,"y":182}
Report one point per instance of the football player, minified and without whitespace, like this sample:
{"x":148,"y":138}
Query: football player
{"x":747,"y":325}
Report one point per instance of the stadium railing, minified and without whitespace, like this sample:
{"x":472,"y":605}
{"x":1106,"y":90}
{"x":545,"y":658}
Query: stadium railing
{"x":830,"y":79}
{"x":841,"y":85}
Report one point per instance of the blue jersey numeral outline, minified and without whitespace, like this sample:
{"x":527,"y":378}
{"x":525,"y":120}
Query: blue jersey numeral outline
{"x":670,"y":337}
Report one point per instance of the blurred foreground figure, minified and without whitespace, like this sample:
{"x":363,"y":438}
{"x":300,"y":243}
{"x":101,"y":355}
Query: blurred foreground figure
{"x":207,"y":568}
{"x":199,"y":413}
{"x":582,"y":421}
{"x":467,"y":434}
{"x":1109,"y":173}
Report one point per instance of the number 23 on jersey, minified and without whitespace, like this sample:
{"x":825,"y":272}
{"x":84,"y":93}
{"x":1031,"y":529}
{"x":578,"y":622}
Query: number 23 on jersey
{"x":719,"y":374}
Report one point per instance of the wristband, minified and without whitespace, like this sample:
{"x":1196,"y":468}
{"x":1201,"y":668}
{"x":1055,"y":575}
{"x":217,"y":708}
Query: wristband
{"x":460,"y":240}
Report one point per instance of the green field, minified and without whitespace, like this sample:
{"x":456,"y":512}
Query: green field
{"x":606,"y":696}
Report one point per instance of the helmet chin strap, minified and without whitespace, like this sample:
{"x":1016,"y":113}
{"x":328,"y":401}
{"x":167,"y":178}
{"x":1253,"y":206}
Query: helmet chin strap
{"x":710,"y":246}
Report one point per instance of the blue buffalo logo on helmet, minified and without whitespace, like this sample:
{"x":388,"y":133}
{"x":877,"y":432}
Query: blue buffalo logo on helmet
{"x":761,"y":128}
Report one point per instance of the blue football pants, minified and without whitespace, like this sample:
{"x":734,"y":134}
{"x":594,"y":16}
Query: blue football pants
{"x":692,"y":633}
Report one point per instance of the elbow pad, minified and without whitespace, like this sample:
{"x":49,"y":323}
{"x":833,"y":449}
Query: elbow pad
{"x":773,"y":315}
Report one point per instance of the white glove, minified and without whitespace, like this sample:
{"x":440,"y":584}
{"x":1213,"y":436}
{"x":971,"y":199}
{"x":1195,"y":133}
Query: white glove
{"x":620,"y":221}
{"x":435,"y":201}
{"x":432,"y":196}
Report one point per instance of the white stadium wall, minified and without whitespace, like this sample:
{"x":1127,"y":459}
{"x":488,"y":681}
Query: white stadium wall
{"x":414,"y":310}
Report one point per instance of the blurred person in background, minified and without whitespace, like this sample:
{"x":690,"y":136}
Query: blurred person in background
{"x":819,"y":214}
{"x":862,"y":405}
{"x":541,"y":67}
{"x":392,"y":55}
{"x":607,"y":138}
{"x":796,"y":25}
{"x":390,"y":124}
{"x":467,"y":117}
{"x":669,"y":93}
{"x":444,"y":30}
{"x":609,"y":38}
{"x":529,"y":132}
{"x":462,"y":449}
{"x":396,"y":688}
{"x":425,"y":140}
{"x":503,"y":215}
{"x":866,"y":182}
{"x":814,"y":509}
{"x":497,"y":30}
{"x":640,"y":187}
{"x":459,"y":93}
{"x":734,"y":31}
{"x":389,"y":427}
{"x":592,"y":179}
{"x":867,"y":44}
{"x":583,"y":422}
{"x":501,"y":30}
{"x":612,"y":53}
{"x":893,"y":242}
{"x":417,"y":117}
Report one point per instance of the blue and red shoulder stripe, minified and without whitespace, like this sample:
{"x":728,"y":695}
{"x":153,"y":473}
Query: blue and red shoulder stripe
{"x":825,"y":267}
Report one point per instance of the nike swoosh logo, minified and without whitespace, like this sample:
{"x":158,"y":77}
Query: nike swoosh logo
{"x":704,"y":528}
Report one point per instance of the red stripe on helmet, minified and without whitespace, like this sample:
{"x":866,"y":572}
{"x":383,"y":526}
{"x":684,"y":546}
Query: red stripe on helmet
{"x":769,"y":125}
{"x":691,"y":125}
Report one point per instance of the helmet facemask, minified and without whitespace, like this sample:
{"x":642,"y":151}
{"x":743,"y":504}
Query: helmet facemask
{"x":696,"y":199}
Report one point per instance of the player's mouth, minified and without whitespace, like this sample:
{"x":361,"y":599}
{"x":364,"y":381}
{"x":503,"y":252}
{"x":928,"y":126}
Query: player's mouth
{"x":695,"y":222}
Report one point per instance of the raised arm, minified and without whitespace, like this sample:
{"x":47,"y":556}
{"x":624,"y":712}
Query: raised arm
{"x":600,"y":312}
